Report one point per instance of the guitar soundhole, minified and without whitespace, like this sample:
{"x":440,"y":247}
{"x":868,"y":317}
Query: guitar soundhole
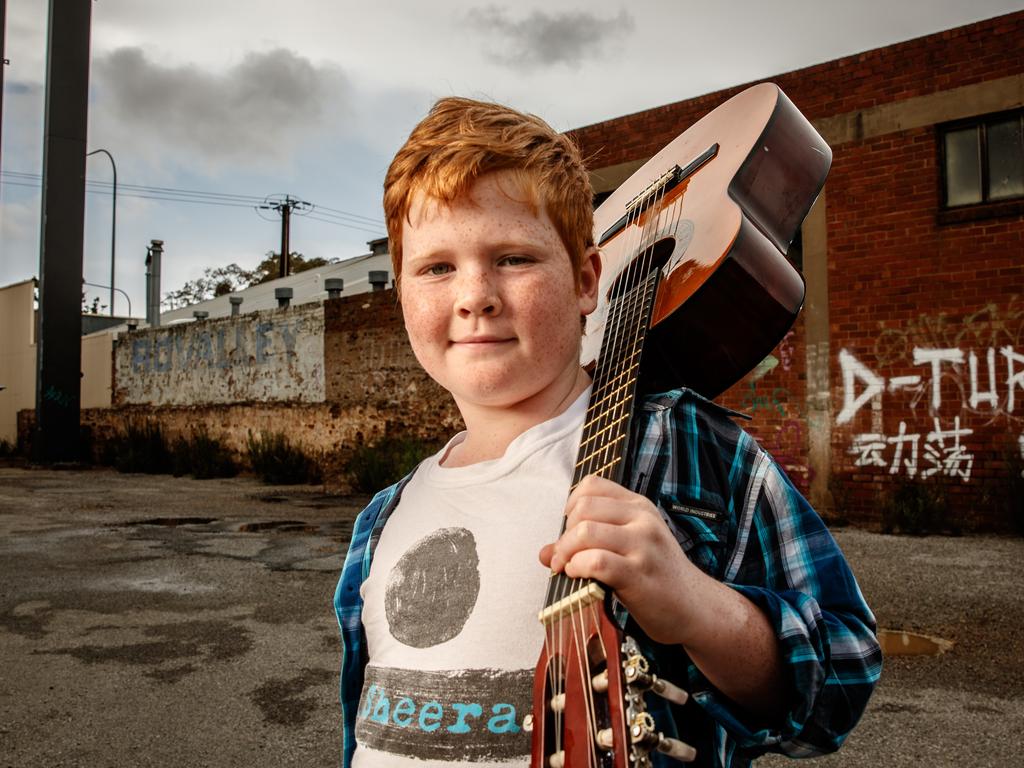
{"x":639,"y":267}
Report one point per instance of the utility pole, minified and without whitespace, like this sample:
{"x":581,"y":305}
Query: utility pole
{"x":3,"y":63}
{"x":285,"y":208}
{"x":59,"y":352}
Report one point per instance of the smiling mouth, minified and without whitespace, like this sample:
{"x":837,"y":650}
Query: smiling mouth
{"x":482,"y":340}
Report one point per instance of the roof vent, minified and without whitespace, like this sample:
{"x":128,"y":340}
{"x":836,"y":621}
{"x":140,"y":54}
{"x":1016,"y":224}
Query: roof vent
{"x":379,"y":279}
{"x":283,"y":296}
{"x":236,"y":304}
{"x":334,"y":286}
{"x":200,"y":314}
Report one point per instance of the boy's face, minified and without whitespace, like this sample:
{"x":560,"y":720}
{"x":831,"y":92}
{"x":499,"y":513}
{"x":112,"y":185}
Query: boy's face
{"x":490,"y":303}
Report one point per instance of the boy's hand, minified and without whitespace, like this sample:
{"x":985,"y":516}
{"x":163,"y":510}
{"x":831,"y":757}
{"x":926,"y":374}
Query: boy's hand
{"x":618,"y":537}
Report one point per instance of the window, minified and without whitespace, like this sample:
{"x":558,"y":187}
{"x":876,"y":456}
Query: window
{"x":983,"y":160}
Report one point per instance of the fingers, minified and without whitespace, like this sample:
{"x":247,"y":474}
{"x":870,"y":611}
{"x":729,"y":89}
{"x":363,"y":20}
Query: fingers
{"x":607,"y":567}
{"x":588,"y":535}
{"x":596,"y":498}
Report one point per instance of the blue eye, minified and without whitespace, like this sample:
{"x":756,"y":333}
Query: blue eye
{"x":514,"y":260}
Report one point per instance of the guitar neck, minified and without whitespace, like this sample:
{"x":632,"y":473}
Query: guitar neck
{"x":605,"y":440}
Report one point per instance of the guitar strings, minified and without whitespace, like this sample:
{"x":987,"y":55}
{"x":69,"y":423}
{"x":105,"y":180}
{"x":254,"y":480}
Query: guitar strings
{"x":591,"y":428}
{"x":623,"y":307}
{"x":628,"y":301}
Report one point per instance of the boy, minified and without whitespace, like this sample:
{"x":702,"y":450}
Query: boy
{"x":721,"y":567}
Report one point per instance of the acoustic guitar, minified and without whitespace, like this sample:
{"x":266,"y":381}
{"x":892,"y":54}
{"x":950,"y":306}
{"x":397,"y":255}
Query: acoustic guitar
{"x":696,"y":290}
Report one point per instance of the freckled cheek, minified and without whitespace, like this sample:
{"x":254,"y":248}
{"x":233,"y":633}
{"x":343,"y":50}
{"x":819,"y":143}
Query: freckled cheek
{"x":425,"y":328}
{"x":554,"y":331}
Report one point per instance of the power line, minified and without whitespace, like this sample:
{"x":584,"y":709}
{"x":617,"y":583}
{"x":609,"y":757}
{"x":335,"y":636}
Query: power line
{"x":198,"y":197}
{"x":350,"y":215}
{"x":342,"y":224}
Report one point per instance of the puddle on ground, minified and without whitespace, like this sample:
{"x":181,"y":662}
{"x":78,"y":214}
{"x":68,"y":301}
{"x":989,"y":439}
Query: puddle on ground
{"x":173,"y":522}
{"x":896,"y":642}
{"x":284,"y":526}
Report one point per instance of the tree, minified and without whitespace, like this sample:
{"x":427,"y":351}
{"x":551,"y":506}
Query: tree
{"x":268,"y":268}
{"x":94,"y":308}
{"x":218,"y":281}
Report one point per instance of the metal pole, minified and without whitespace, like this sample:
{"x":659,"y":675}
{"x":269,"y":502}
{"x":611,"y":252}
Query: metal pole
{"x":3,"y":63}
{"x":284,"y":267}
{"x":154,"y":253}
{"x":59,"y":352}
{"x":113,"y":225}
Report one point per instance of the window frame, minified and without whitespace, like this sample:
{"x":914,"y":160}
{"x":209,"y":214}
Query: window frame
{"x":985,"y":208}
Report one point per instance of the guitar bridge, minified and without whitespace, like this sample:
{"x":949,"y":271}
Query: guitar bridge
{"x":668,"y":181}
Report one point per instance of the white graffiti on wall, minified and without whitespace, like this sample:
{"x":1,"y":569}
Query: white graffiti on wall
{"x":942,"y":454}
{"x":855,"y":371}
{"x":940,"y":451}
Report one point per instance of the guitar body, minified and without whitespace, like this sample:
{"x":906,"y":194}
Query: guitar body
{"x":695,"y":291}
{"x":728,"y":294}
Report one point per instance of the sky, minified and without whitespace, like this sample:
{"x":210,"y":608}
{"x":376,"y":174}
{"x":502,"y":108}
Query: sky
{"x":233,"y":105}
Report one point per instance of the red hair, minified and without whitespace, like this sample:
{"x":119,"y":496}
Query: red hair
{"x":461,"y":140}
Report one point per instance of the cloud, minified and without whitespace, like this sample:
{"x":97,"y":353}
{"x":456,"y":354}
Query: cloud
{"x":545,"y":39}
{"x":259,"y":110}
{"x":22,"y":88}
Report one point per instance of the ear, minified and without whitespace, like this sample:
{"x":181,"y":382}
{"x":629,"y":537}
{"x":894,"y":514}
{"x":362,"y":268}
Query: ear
{"x":590,"y":280}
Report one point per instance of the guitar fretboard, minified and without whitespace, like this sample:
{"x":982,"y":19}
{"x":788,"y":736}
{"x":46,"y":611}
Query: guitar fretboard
{"x":605,"y":438}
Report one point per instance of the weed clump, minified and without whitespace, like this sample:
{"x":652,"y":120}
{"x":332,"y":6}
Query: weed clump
{"x":387,"y":461}
{"x":918,"y":508}
{"x":202,"y":456}
{"x":142,"y":447}
{"x":277,"y":462}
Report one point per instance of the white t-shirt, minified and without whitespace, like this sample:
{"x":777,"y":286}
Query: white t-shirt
{"x":450,"y":605}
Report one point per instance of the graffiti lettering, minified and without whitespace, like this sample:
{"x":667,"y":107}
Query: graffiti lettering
{"x":57,"y":396}
{"x":943,"y":451}
{"x":786,"y":352}
{"x":181,"y":352}
{"x":991,"y":326}
{"x":753,"y":402}
{"x":861,"y":384}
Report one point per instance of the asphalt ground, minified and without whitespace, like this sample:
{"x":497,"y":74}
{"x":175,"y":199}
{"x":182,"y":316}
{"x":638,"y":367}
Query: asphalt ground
{"x":155,"y":621}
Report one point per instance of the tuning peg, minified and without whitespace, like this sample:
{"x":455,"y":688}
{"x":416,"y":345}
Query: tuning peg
{"x":675,"y":748}
{"x":643,"y":735}
{"x":667,"y":690}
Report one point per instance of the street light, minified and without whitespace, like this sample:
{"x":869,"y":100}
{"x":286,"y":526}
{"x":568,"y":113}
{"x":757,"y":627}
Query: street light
{"x":126,"y":296}
{"x":113,"y":225}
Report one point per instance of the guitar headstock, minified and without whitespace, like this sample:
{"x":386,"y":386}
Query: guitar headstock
{"x":588,"y":697}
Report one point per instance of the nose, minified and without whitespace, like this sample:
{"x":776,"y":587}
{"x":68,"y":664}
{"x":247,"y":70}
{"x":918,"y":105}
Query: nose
{"x":477,"y":295}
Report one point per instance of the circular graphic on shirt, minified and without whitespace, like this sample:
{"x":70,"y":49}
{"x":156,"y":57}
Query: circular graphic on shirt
{"x":433,"y":588}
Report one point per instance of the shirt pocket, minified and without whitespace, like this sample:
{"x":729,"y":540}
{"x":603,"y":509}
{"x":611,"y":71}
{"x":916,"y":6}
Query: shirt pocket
{"x":701,"y":530}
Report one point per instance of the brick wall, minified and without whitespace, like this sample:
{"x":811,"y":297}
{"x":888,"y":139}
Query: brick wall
{"x":917,"y":309}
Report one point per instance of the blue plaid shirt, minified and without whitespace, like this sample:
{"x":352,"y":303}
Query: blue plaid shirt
{"x":738,"y":518}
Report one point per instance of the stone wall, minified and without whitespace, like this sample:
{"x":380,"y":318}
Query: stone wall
{"x":269,"y":356}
